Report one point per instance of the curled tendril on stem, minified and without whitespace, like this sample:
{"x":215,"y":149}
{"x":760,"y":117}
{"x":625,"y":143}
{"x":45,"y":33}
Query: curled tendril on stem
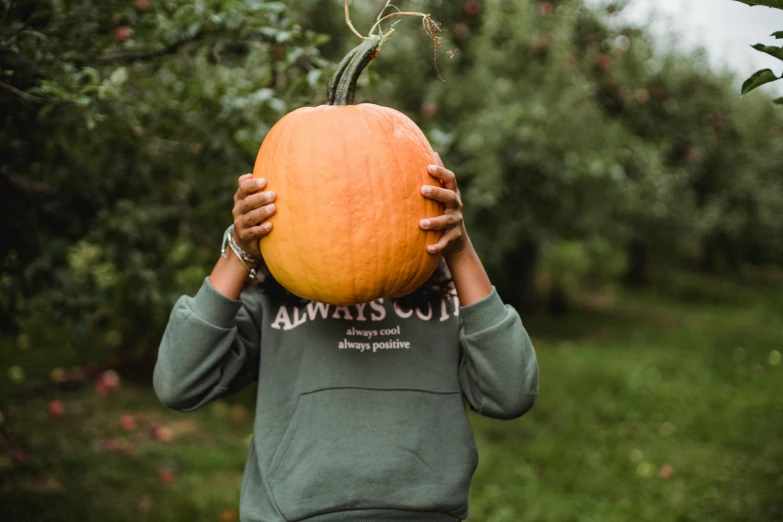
{"x":430,"y":27}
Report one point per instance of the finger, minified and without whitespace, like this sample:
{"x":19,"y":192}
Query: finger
{"x":438,"y":161}
{"x":240,"y":179}
{"x":250,"y":186}
{"x":256,"y":216}
{"x":255,"y":233}
{"x":444,"y":222}
{"x":254,"y":201}
{"x":447,"y":238}
{"x":444,"y":175}
{"x":446,"y":196}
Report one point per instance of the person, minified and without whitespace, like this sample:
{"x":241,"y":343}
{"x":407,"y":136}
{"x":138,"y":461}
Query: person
{"x":360,"y":412}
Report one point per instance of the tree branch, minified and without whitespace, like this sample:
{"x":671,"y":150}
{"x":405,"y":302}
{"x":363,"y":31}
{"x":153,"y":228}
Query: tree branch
{"x":21,"y":94}
{"x":28,"y":186}
{"x":156,"y":53}
{"x":146,"y":55}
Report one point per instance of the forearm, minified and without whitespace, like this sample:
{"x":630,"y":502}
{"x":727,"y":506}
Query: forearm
{"x":498,"y":373}
{"x":470,"y":278}
{"x":210,"y":345}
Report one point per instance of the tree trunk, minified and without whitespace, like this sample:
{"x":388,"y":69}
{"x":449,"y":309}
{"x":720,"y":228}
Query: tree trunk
{"x":518,"y":277}
{"x":638,"y":263}
{"x":558,"y":302}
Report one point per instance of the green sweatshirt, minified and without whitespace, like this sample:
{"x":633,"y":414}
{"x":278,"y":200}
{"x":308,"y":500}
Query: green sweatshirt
{"x":360,"y":413}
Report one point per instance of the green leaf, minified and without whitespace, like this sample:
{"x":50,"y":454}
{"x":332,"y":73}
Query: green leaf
{"x":777,"y":52}
{"x":778,"y":35}
{"x":758,"y":79}
{"x":313,"y":77}
{"x":777,"y":4}
{"x":119,"y":76}
{"x":779,"y":101}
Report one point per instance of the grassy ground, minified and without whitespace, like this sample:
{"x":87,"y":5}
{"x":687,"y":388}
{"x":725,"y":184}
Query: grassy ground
{"x":652,"y":407}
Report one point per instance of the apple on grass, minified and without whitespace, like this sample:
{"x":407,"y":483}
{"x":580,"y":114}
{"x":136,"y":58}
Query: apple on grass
{"x":127,"y":422}
{"x":108,"y":382}
{"x":165,"y":476}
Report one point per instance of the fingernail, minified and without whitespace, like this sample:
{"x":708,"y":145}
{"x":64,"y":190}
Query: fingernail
{"x":272,"y":195}
{"x":425,"y":223}
{"x":260,"y":181}
{"x":267,"y":226}
{"x":431,"y":248}
{"x":426,"y":189}
{"x":271,"y":207}
{"x":433,"y":168}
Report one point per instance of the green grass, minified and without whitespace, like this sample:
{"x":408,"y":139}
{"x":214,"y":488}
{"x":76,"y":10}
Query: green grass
{"x":629,"y":388}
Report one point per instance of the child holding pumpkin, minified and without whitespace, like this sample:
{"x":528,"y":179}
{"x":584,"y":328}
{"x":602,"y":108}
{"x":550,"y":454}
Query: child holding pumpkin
{"x":360,"y":410}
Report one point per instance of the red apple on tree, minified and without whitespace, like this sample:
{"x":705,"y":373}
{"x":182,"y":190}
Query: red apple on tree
{"x":604,"y":62}
{"x":122,"y":33}
{"x":471,"y":7}
{"x":56,"y":409}
{"x":546,"y":8}
{"x":642,"y":96}
{"x":429,"y":109}
{"x":462,"y":31}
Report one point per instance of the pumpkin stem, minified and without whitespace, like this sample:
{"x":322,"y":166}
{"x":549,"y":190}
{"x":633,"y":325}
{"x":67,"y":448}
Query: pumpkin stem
{"x":342,"y":88}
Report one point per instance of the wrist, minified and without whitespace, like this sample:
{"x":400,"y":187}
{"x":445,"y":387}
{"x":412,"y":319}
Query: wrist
{"x":248,"y":260}
{"x":234,"y":261}
{"x":469,"y":276}
{"x":460,"y":251}
{"x":251,"y":251}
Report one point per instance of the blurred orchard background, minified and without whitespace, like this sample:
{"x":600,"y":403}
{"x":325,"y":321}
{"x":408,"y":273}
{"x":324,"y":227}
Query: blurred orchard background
{"x":622,"y":194}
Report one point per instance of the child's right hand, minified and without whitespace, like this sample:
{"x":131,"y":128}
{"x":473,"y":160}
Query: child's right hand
{"x":252,"y":207}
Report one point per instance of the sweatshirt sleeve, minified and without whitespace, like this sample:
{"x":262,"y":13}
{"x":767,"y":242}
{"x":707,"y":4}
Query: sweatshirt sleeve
{"x":498,"y":370}
{"x":211,"y":348}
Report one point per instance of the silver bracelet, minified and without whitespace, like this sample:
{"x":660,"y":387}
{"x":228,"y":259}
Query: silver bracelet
{"x":244,"y":257}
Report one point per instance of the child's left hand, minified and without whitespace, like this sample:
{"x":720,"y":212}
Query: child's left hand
{"x":454,"y":237}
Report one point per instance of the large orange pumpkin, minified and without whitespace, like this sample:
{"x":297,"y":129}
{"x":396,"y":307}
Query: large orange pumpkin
{"x":348,"y":181}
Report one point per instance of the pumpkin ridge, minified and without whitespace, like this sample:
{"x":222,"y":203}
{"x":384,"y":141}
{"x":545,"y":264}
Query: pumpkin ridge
{"x":412,"y":137}
{"x":386,"y":246}
{"x":286,"y":140}
{"x":352,"y":216}
{"x":379,"y":245}
{"x":392,"y":144}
